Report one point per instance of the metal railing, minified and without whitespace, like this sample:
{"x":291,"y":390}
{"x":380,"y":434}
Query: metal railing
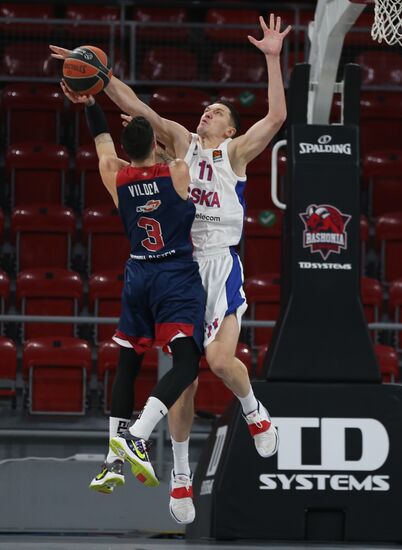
{"x":127,"y":48}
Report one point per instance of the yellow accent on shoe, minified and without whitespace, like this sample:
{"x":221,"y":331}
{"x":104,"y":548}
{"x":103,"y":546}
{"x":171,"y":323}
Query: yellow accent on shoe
{"x":139,"y":471}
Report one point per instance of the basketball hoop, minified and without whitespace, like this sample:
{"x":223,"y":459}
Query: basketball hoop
{"x":387,"y":24}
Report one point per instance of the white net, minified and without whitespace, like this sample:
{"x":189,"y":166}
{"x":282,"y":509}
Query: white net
{"x":387,"y":24}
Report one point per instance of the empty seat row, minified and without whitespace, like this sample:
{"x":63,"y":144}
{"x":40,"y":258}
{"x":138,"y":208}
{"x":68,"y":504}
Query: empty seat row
{"x":38,"y":172}
{"x":171,"y":63}
{"x":44,"y":236}
{"x":56,"y":375}
{"x":59,"y":292}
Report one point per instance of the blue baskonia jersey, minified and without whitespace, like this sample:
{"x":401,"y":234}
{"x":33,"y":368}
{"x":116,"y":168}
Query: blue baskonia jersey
{"x":156,"y":219}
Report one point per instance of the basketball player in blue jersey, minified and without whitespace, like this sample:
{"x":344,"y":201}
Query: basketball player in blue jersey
{"x":217,"y":159}
{"x":163,"y":301}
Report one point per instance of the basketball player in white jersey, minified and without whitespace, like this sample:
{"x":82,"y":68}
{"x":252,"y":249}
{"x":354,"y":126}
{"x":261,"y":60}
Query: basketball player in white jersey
{"x":217,"y":159}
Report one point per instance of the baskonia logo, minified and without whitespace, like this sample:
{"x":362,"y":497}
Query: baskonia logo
{"x":324,"y":229}
{"x":149,"y":206}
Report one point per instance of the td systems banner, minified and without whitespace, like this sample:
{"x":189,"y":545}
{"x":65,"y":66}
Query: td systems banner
{"x":336,"y":475}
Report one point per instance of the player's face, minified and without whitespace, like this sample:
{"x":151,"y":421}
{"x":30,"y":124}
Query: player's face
{"x":216,"y":122}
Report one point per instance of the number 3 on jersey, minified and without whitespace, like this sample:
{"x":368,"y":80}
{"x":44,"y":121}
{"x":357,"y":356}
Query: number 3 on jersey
{"x":154,"y":240}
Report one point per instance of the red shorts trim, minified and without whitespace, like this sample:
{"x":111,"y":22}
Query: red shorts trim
{"x":165,"y":332}
{"x":140,"y":344}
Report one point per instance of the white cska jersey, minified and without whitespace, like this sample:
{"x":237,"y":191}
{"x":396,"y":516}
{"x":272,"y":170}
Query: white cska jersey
{"x":218,"y":196}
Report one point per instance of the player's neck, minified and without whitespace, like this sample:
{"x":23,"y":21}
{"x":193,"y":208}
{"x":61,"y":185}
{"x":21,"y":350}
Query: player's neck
{"x":150,"y":161}
{"x":211,"y":142}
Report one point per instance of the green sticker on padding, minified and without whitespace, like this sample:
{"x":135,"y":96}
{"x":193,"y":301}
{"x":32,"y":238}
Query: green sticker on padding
{"x":247,"y":98}
{"x":267,"y":218}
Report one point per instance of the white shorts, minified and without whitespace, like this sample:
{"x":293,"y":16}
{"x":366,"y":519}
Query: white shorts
{"x":222,"y":278}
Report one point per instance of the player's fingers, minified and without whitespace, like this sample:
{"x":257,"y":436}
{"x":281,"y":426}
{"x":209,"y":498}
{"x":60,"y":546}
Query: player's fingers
{"x":252,"y":40}
{"x":286,"y":31}
{"x":263,"y":24}
{"x":62,"y":52}
{"x":127,"y":118}
{"x":272,"y":21}
{"x":278,"y":24}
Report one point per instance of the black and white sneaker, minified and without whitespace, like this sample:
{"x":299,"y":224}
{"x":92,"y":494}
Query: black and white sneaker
{"x":135,"y":451}
{"x":110,"y":476}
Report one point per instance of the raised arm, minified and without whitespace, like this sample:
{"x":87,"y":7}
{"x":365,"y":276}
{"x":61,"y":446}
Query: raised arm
{"x":109,"y":163}
{"x":174,"y":136}
{"x":245,"y":148}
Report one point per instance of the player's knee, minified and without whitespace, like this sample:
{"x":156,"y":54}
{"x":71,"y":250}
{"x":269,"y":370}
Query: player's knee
{"x":220,"y":364}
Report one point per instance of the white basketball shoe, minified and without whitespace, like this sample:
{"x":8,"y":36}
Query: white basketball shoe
{"x":181,"y":505}
{"x":263,"y":431}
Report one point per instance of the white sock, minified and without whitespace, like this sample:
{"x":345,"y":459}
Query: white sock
{"x":248,"y":403}
{"x":116,"y":426}
{"x":151,"y":414}
{"x":180,"y":457}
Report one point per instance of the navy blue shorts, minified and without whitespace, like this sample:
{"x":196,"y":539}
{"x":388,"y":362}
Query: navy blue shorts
{"x":161,"y":300}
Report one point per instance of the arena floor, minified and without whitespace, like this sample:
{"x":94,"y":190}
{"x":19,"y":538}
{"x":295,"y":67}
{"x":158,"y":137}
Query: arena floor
{"x":120,"y":542}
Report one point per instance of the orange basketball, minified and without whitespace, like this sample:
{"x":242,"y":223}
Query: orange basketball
{"x":87,"y":70}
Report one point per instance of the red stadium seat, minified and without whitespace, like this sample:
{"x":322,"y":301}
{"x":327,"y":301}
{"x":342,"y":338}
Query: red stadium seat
{"x":380,"y":119}
{"x":176,"y":16}
{"x":395,"y":308}
{"x":258,"y":189}
{"x":28,"y":59}
{"x":223,"y":17}
{"x":212,"y":395}
{"x":56,"y":372}
{"x":381,"y":68}
{"x":33,"y":112}
{"x":108,"y":356}
{"x":43,"y":236}
{"x":383,"y":169}
{"x":235,"y":65}
{"x":12,"y":11}
{"x":169,"y":63}
{"x":37,"y":173}
{"x":183,"y":105}
{"x":107,"y":245}
{"x":262,"y":242}
{"x":92,"y":190}
{"x":8,"y":368}
{"x":4,"y":294}
{"x":48,"y":292}
{"x":105,"y":290}
{"x":263,"y":295}
{"x":112,"y":112}
{"x":388,"y":361}
{"x":101,"y":14}
{"x":371,"y":295}
{"x":389,"y":236}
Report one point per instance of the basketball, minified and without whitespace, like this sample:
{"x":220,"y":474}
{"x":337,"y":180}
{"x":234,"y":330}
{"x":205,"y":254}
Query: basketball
{"x":87,"y":70}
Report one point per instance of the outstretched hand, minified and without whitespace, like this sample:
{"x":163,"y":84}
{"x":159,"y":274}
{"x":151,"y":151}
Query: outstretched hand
{"x":58,"y":52}
{"x":74,"y":97}
{"x":271,"y":43}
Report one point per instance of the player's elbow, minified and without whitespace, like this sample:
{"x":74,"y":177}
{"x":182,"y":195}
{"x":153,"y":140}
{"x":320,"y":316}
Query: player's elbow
{"x":277,"y":119}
